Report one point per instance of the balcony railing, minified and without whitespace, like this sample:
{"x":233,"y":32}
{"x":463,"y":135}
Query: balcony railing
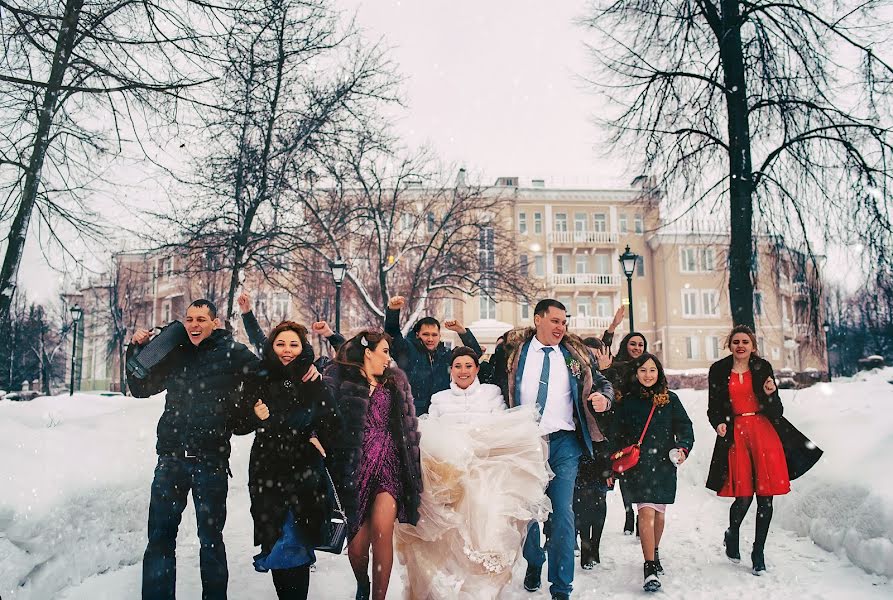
{"x":586,"y":279}
{"x":583,"y":237}
{"x":588,"y":323}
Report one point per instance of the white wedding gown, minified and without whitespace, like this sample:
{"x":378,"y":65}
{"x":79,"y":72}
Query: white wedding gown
{"x":484,"y":481}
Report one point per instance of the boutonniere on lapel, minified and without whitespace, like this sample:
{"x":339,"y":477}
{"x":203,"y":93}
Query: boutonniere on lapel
{"x":574,"y":366}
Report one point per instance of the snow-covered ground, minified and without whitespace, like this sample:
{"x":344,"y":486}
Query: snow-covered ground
{"x":76,"y":472}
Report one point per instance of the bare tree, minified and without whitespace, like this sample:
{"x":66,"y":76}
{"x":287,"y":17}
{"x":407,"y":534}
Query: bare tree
{"x":782,"y":107}
{"x":74,"y":78}
{"x":293,"y":84}
{"x":405,"y":228}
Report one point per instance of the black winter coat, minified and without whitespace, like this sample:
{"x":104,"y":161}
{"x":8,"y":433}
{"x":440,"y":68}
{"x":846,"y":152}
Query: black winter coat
{"x":351,"y":393}
{"x":203,"y":402}
{"x":285,"y":470}
{"x":801,"y":454}
{"x":654,"y":478}
{"x":428,"y":372}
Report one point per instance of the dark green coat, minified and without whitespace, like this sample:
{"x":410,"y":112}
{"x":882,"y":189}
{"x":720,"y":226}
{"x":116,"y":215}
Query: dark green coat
{"x":654,"y":478}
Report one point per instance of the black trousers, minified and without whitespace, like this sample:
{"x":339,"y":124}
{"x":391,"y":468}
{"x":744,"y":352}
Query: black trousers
{"x":292,"y":584}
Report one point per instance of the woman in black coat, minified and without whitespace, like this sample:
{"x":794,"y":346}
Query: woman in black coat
{"x":757,"y":452}
{"x":651,"y":484}
{"x":377,"y":460}
{"x":287,"y":484}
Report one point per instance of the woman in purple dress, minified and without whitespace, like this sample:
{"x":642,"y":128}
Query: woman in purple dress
{"x":376,"y":462}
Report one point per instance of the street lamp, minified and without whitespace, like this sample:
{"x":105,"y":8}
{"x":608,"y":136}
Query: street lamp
{"x":339,"y":270}
{"x":826,"y":327}
{"x":76,"y":313}
{"x":628,"y":260}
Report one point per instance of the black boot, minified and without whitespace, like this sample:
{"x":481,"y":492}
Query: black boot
{"x":652,"y":583}
{"x":637,"y":527}
{"x":630,"y":522}
{"x":730,"y":540}
{"x":364,"y":590}
{"x":657,"y":564}
{"x":533,"y":579}
{"x":759,"y":561}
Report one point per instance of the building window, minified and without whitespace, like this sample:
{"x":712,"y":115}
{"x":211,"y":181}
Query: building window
{"x":603,"y":264}
{"x":537,"y":222}
{"x":580,"y":222}
{"x":448,"y":311}
{"x":599,"y":222}
{"x":562,"y":264}
{"x":689,"y":303}
{"x":524,"y":265}
{"x":691,"y":348}
{"x":522,"y":223}
{"x":166,"y":312}
{"x":486,"y":249}
{"x":603,"y":306}
{"x":281,"y":304}
{"x":640,"y":266}
{"x":758,"y":304}
{"x":539,"y":265}
{"x":431,"y":220}
{"x":710,"y":303}
{"x":776,"y":353}
{"x":405,"y":222}
{"x":584,"y":307}
{"x":708,"y":259}
{"x":560,"y":222}
{"x":525,"y":312}
{"x":711,"y":343}
{"x":643,"y":311}
{"x":688,"y":260}
{"x":488,"y":307}
{"x":568,"y":305}
{"x":582,"y":263}
{"x":624,"y":226}
{"x":640,"y":226}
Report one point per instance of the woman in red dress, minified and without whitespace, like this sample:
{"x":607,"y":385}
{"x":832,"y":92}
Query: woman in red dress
{"x":757,"y":452}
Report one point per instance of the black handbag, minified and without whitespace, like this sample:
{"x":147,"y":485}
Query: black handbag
{"x":335,"y":528}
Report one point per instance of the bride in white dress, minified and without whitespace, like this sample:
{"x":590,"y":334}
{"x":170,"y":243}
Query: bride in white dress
{"x":485,"y":473}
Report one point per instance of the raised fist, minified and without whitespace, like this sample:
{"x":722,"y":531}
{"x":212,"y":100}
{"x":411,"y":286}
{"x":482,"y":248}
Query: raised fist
{"x":396,"y":302}
{"x":454,"y":325}
{"x":321,"y":328}
{"x":244,"y":301}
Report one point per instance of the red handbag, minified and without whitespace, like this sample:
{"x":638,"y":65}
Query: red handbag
{"x":626,"y":459}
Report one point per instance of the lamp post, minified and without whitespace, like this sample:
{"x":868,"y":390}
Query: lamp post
{"x":826,"y":327}
{"x":76,"y":312}
{"x":628,"y":260}
{"x":339,"y":270}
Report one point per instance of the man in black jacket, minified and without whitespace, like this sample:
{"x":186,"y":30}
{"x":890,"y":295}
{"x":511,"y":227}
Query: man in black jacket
{"x":423,"y":357}
{"x":203,"y":379}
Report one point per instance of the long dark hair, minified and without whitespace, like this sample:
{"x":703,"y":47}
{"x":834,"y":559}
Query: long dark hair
{"x":622,"y":352}
{"x":657,"y":392}
{"x":352,"y":352}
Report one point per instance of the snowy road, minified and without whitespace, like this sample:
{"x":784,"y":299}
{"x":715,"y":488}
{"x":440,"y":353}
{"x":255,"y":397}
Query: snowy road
{"x":73,"y":517}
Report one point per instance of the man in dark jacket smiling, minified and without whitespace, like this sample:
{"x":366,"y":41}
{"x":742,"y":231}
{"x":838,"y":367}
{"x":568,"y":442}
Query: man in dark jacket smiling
{"x":423,"y":357}
{"x":203,"y":378}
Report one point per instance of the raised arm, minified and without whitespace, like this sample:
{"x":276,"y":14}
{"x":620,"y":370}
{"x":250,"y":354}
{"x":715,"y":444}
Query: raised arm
{"x":249,"y":320}
{"x":392,"y":325}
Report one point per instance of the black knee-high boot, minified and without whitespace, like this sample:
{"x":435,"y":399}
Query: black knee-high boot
{"x":736,"y":516}
{"x":764,"y":518}
{"x":292,"y":584}
{"x":600,"y":513}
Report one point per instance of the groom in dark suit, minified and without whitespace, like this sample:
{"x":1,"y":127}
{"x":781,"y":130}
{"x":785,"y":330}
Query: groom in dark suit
{"x":552,"y":369}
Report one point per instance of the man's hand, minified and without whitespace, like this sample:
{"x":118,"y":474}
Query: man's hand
{"x":318,"y":446}
{"x":140,"y":337}
{"x":454,"y":325}
{"x":311,"y":375}
{"x":244,"y":301}
{"x":721,"y":430}
{"x":603,"y":357}
{"x":322,"y":328}
{"x":769,"y":386}
{"x":599,"y":402}
{"x":618,"y":318}
{"x":261,"y":410}
{"x":396,"y":302}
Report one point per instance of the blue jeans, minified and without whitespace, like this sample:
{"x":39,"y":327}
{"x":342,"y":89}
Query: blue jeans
{"x":174,"y":477}
{"x":564,"y":459}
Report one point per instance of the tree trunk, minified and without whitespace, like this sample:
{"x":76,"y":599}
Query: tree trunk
{"x":18,"y":232}
{"x":741,"y":245}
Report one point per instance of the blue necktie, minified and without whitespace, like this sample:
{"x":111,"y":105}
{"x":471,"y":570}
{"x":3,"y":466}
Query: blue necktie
{"x":544,"y":382}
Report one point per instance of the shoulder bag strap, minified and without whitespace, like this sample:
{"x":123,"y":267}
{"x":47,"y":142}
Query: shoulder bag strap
{"x":335,"y":492}
{"x":647,"y":423}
